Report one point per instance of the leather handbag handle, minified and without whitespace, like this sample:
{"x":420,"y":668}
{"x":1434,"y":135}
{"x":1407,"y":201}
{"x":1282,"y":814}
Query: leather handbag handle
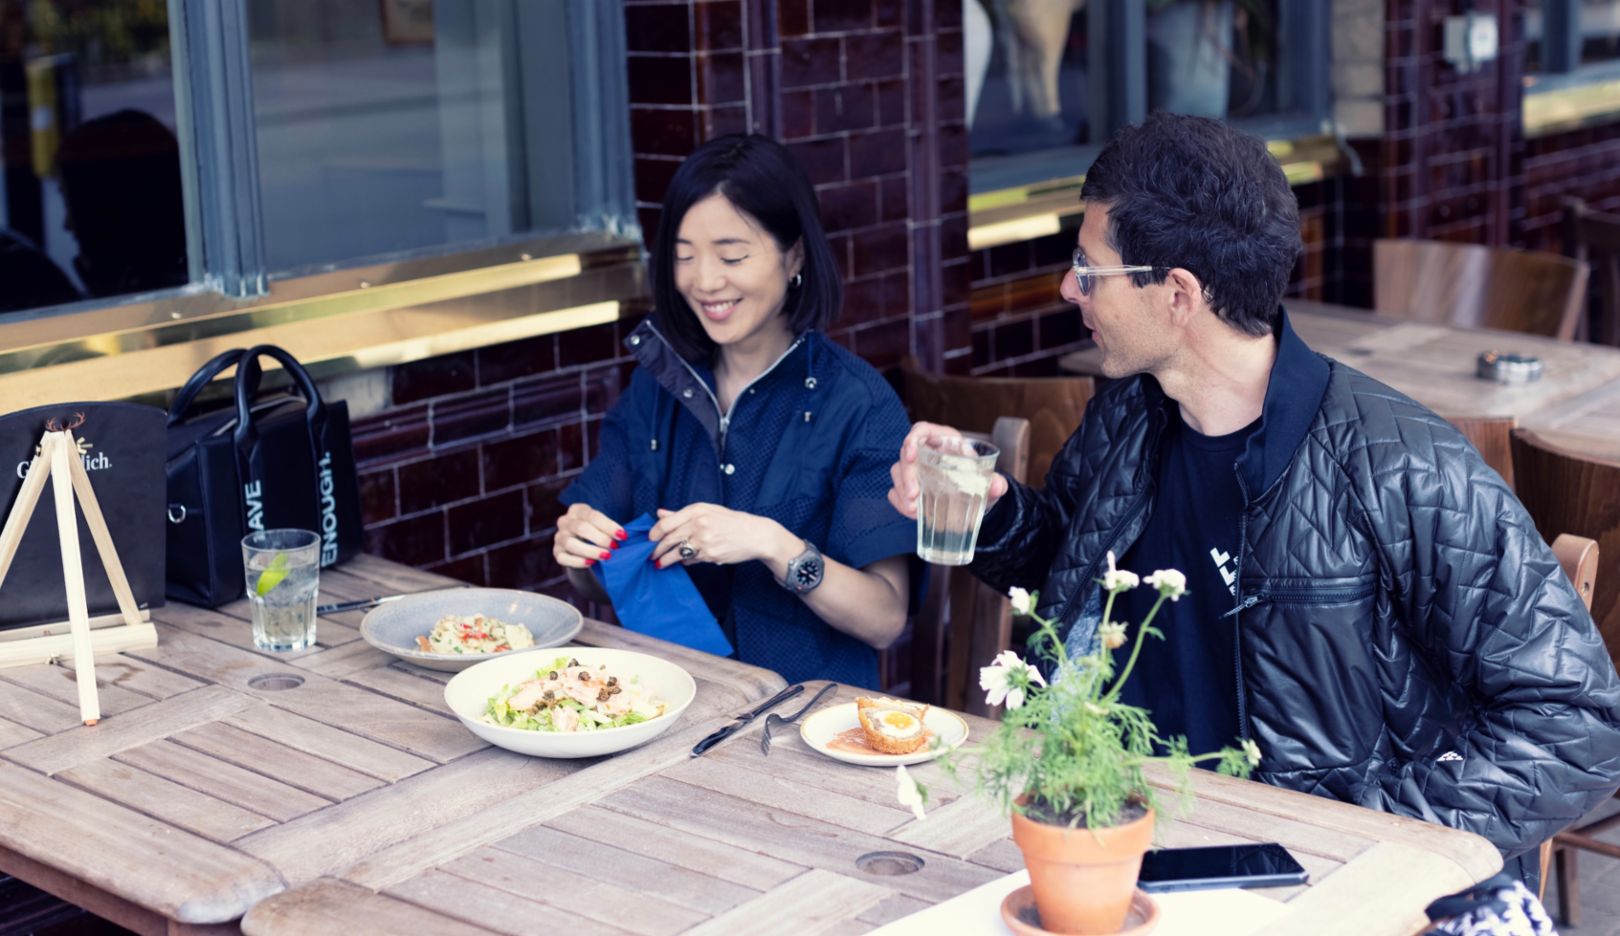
{"x":247,"y":386}
{"x":202,"y":378}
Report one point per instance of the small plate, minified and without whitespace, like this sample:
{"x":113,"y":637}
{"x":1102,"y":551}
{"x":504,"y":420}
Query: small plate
{"x":828,"y":723}
{"x":394,"y":627}
{"x":1019,"y":913}
{"x":468,"y":693}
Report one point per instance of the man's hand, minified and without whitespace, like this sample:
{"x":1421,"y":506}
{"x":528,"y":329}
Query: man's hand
{"x":584,"y":537}
{"x":903,"y":473}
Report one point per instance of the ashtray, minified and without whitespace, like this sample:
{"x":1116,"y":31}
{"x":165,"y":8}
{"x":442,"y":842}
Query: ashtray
{"x":1507,"y":367}
{"x":1019,"y":913}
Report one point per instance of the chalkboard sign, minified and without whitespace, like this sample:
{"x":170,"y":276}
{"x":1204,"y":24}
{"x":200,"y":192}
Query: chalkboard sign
{"x":121,"y":448}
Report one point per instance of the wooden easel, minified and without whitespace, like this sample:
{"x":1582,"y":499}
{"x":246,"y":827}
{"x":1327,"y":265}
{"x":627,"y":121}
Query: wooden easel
{"x":58,"y":460}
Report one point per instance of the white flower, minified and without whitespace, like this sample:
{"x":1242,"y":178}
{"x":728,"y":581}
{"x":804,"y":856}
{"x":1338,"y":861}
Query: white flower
{"x":1023,"y":602}
{"x":910,"y":793}
{"x":1118,"y":580}
{"x":1112,"y":634}
{"x":1251,"y":751}
{"x":1007,"y":679}
{"x":1170,"y":583}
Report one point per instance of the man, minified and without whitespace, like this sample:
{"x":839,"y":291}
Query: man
{"x":1367,"y":600}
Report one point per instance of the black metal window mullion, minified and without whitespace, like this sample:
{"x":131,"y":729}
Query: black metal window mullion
{"x":1560,"y":36}
{"x":1117,"y":49}
{"x":1304,"y":55}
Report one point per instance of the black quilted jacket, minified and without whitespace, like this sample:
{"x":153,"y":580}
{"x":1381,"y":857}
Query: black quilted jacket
{"x":1406,"y":640}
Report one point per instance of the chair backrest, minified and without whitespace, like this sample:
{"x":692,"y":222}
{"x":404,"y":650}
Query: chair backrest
{"x":1480,"y":287}
{"x":1595,"y":238}
{"x":1492,"y":435}
{"x":1566,"y":492}
{"x":1053,"y":406}
{"x":963,"y":623}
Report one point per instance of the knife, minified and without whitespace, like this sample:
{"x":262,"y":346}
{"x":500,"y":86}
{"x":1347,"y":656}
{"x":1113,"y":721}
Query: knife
{"x":364,"y":603}
{"x":744,"y":719}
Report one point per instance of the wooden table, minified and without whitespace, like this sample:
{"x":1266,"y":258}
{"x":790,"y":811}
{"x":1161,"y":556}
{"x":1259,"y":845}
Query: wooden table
{"x":1576,"y":403}
{"x":354,"y":802}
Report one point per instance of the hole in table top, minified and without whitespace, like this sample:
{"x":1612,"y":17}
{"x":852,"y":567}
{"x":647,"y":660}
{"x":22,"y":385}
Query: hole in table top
{"x":889,"y":863}
{"x":275,"y":682}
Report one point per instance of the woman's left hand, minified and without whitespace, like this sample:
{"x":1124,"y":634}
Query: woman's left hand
{"x":714,"y":534}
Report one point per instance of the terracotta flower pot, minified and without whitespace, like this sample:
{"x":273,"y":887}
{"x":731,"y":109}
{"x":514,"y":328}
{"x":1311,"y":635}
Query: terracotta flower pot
{"x":1083,"y":878}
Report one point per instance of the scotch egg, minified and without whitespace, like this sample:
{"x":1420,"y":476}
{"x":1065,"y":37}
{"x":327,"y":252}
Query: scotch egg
{"x":891,"y":726}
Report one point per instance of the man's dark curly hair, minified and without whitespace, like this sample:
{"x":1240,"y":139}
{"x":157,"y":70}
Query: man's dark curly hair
{"x":1194,"y":193}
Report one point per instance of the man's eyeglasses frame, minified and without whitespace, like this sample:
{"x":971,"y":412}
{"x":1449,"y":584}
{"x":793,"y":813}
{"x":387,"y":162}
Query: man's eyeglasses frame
{"x":1083,"y":273}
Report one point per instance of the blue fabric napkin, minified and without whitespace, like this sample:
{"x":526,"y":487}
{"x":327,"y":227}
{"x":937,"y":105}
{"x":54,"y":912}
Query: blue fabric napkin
{"x":660,"y":603}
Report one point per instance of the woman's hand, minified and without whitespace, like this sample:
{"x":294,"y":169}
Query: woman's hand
{"x":584,"y":537}
{"x":715,"y":534}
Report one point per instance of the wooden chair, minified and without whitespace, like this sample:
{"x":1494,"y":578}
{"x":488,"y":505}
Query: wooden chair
{"x":1594,"y":238}
{"x":1492,"y":435}
{"x":1053,"y":406}
{"x":1480,"y":287}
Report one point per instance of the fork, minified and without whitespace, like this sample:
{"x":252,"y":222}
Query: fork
{"x":773,"y":720}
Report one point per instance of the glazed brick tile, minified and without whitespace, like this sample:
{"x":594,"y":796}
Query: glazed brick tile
{"x":591,"y":345}
{"x":720,"y":78}
{"x":657,"y":79}
{"x":792,"y":17}
{"x":593,"y":437}
{"x":472,"y":416}
{"x":390,"y":434}
{"x":571,"y":454}
{"x":469,"y":569}
{"x":434,"y":482}
{"x":379,"y":499}
{"x":660,"y":28}
{"x":1014,"y":339}
{"x":602,"y":385}
{"x":504,"y":363}
{"x":545,"y":504}
{"x":482,"y":523}
{"x":874,"y":55}
{"x":877,"y":153}
{"x":891,"y":103}
{"x":822,"y":160}
{"x":841,"y":15}
{"x":880,"y":249}
{"x":523,"y":564}
{"x":946,"y":15}
{"x":415,"y":541}
{"x":811,"y":62}
{"x":719,"y":121}
{"x":523,"y":460}
{"x":894,"y":198}
{"x":719,"y":25}
{"x":1058,"y":330}
{"x":798,"y":110}
{"x":652,"y":174}
{"x":433,"y":377}
{"x":883,"y":346}
{"x":848,"y":107}
{"x":846,"y":207}
{"x":547,"y":400}
{"x":664,"y":131}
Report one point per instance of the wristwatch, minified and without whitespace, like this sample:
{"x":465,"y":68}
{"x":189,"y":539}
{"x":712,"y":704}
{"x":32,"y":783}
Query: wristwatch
{"x":804,"y":571}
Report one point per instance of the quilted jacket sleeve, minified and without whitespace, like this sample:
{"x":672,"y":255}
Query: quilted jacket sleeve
{"x":1481,"y":592}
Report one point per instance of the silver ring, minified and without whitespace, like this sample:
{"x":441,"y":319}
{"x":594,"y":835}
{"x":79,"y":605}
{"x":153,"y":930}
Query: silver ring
{"x":687,"y":550}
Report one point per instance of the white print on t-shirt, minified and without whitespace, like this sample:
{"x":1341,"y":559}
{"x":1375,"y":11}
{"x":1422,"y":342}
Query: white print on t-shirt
{"x":1229,"y":575}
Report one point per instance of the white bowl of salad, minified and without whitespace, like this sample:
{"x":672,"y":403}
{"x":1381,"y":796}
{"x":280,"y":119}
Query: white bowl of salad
{"x":570,"y":701}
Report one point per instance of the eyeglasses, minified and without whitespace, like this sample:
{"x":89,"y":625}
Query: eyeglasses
{"x":1083,"y":273}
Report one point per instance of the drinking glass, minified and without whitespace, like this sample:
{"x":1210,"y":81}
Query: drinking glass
{"x":953,"y":475}
{"x":282,"y":568}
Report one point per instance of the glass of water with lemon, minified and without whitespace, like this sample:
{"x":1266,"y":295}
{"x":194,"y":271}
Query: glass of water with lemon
{"x":282,"y":569}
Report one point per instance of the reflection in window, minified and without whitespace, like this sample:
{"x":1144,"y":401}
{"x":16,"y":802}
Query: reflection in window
{"x":1592,"y":32}
{"x":1033,"y":88}
{"x":90,"y":196}
{"x":404,"y":125}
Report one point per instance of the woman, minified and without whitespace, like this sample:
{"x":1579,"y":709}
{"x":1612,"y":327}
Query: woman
{"x":762,"y":447}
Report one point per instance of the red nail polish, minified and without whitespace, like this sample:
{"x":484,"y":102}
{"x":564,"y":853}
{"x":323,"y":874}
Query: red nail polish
{"x":613,"y":544}
{"x":606,"y":554}
{"x":621,"y":535}
{"x":590,"y":562}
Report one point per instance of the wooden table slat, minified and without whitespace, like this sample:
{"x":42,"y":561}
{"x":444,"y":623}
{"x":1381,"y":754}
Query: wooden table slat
{"x":251,"y":790}
{"x":330,"y":906}
{"x":82,"y":744}
{"x":462,"y":898}
{"x":750,"y":868}
{"x":577,"y":896}
{"x":334,"y":744}
{"x":815,"y":902}
{"x":1401,"y":877}
{"x":162,"y":798}
{"x":324,"y":778}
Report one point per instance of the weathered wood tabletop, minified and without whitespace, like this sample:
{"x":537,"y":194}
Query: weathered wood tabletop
{"x":1576,"y":403}
{"x":355,"y":803}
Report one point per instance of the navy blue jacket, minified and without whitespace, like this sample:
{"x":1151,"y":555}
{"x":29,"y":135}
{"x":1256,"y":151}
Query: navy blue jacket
{"x":808,"y":444}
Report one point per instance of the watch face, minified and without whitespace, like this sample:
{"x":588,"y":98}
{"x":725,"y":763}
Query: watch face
{"x":807,"y":574}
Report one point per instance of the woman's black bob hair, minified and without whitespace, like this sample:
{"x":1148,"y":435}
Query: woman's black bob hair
{"x":757,"y":175}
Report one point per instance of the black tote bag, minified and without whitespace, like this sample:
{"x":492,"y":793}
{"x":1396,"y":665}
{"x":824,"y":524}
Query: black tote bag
{"x":267,"y":462}
{"x":120,"y":445}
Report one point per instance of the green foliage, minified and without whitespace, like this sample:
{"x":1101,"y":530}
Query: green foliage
{"x":1073,"y":746}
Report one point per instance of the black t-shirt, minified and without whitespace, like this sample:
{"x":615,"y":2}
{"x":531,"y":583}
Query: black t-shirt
{"x":1189,"y":679}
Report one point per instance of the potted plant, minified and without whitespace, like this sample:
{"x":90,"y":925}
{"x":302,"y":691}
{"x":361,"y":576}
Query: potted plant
{"x":1068,"y":761}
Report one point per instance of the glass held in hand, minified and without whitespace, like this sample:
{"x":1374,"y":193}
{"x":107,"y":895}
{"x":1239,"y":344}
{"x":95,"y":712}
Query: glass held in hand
{"x":282,"y":569}
{"x":953,"y":478}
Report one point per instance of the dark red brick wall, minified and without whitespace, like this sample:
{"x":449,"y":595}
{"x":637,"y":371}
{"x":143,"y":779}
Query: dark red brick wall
{"x":462,"y":474}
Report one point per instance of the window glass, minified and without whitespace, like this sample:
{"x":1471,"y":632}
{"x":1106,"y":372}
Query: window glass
{"x":1598,"y":23}
{"x":91,"y":200}
{"x":405,"y":125}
